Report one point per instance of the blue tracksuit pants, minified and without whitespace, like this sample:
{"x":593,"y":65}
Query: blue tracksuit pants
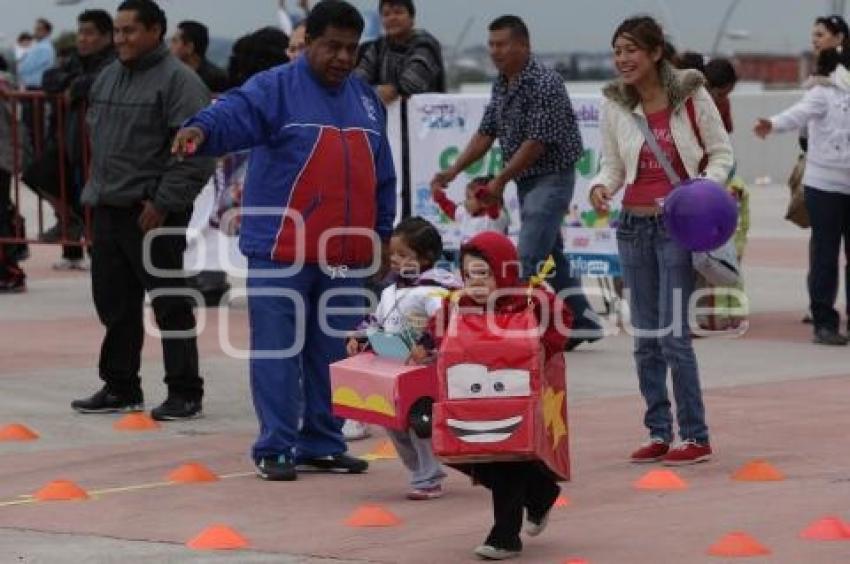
{"x":293,"y":318}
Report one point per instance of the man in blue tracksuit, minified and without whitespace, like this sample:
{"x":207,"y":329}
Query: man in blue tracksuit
{"x":320,"y":163}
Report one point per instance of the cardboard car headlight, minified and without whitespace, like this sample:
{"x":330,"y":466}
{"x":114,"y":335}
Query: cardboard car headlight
{"x":497,"y":399}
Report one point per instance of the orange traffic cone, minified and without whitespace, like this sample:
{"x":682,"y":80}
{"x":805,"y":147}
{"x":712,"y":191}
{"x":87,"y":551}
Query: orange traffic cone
{"x":136,"y":422}
{"x":372,"y":516}
{"x":737,"y":544}
{"x":17,"y":432}
{"x":758,"y":471}
{"x":575,"y":561}
{"x":61,"y":490}
{"x":384,"y":451}
{"x":826,"y":529}
{"x":218,"y":537}
{"x":562,"y":501}
{"x":191,"y":473}
{"x":661,"y":480}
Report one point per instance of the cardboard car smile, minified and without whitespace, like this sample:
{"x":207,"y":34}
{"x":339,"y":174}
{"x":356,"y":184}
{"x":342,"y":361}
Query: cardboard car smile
{"x":484,"y":431}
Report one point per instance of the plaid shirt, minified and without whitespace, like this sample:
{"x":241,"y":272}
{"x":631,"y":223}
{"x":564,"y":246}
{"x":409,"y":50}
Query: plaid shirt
{"x":535,"y":106}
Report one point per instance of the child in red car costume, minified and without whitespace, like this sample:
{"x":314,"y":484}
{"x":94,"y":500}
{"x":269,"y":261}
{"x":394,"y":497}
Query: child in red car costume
{"x":490,"y":266}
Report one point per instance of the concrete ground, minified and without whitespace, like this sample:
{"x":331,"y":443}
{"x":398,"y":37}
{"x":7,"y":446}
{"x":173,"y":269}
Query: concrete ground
{"x":770,"y":394}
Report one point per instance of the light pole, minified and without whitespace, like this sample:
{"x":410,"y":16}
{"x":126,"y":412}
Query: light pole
{"x":724,"y":23}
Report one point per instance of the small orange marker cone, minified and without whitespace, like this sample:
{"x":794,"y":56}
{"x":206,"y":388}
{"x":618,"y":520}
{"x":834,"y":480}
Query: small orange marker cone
{"x":737,"y":544}
{"x":384,"y":451}
{"x":218,"y":537}
{"x":575,"y":561}
{"x":191,"y":473}
{"x":61,"y":490}
{"x":827,"y":529}
{"x":758,"y":471}
{"x":661,"y":480}
{"x":17,"y":432}
{"x":372,"y":516}
{"x":136,"y":422}
{"x":562,"y":501}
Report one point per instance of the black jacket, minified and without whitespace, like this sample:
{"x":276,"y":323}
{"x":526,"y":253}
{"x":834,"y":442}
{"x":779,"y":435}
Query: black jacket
{"x":134,"y":112}
{"x":75,"y":75}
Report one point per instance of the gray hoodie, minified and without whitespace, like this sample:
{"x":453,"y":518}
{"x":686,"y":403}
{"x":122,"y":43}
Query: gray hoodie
{"x":135,"y":110}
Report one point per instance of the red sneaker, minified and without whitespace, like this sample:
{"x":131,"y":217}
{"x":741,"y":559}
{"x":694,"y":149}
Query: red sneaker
{"x":424,"y":494}
{"x":688,"y":452}
{"x":652,"y":451}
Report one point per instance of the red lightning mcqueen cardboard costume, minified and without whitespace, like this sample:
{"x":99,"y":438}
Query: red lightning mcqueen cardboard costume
{"x":497,"y":398}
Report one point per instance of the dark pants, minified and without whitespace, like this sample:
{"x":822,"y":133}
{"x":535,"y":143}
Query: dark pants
{"x":830,"y":217}
{"x":10,"y":253}
{"x":515,"y":487}
{"x":119,"y":282}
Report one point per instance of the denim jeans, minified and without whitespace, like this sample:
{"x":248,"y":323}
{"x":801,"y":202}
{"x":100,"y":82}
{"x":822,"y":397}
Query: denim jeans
{"x":659,"y":280}
{"x":830,"y":216}
{"x":544,"y":200}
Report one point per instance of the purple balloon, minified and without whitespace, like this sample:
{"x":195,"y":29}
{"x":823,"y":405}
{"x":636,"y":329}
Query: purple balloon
{"x":700,"y":214}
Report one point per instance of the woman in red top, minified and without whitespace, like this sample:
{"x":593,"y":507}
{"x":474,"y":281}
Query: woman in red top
{"x":657,"y":271}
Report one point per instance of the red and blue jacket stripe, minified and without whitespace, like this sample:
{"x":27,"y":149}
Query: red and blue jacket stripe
{"x":321,"y":152}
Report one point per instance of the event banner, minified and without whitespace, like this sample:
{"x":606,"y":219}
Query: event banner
{"x":440,"y":125}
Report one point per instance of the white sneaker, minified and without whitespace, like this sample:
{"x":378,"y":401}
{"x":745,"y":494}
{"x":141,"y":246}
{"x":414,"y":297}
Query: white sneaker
{"x":71,"y":264}
{"x":533,"y":529}
{"x":355,"y":430}
{"x":488,"y":552}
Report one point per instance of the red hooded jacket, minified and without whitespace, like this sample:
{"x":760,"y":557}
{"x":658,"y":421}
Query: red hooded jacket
{"x":501,"y":255}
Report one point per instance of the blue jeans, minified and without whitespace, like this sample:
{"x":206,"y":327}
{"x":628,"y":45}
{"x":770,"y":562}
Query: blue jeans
{"x":830,"y":217}
{"x":277,"y":360}
{"x":659,"y":280}
{"x":543,"y":201}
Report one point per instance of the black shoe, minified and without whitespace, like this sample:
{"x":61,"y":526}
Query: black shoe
{"x":105,"y":401}
{"x":15,"y":284}
{"x":338,"y":463}
{"x":276,"y":469}
{"x":176,"y":408}
{"x":825,"y":336}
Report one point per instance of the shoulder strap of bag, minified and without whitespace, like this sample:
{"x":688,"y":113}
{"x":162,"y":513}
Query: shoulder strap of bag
{"x":671,"y":173}
{"x":692,"y":117}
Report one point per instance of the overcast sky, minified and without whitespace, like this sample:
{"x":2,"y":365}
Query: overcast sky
{"x":556,"y":25}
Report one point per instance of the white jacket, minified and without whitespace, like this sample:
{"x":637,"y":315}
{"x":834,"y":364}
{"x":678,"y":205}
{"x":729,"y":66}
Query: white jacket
{"x":825,"y":111}
{"x":622,"y":139}
{"x":409,"y":308}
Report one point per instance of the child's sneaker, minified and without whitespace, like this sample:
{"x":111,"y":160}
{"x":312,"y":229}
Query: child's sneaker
{"x":424,"y":494}
{"x":651,"y":451}
{"x":490,"y":552}
{"x":536,"y":524}
{"x":355,"y":430}
{"x":688,"y":452}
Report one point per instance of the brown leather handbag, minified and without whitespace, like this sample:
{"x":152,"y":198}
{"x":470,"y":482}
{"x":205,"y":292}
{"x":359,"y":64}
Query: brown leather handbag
{"x":797,"y":212}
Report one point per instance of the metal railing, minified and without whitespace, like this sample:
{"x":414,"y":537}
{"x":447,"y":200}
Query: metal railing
{"x":37,"y":126}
